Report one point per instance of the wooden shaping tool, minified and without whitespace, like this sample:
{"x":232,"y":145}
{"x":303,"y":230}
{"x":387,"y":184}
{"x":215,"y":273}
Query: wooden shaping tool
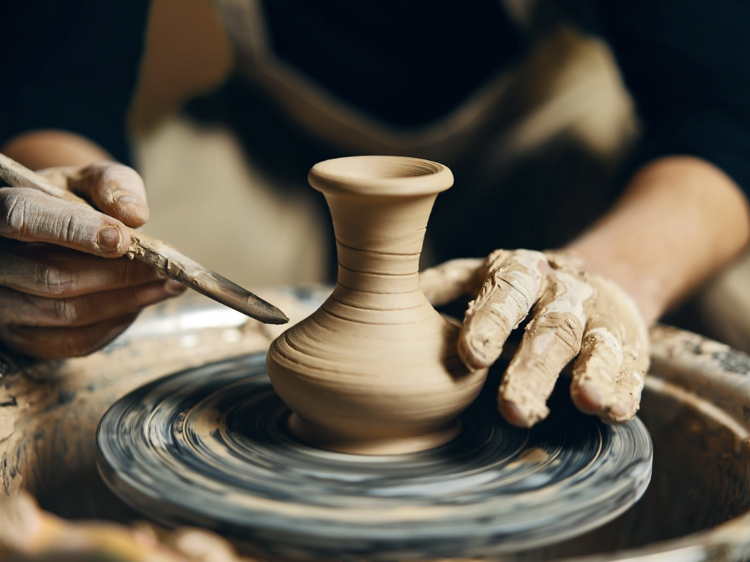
{"x":158,"y":255}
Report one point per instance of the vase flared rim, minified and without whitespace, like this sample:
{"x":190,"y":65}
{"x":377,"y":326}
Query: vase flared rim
{"x":380,"y":175}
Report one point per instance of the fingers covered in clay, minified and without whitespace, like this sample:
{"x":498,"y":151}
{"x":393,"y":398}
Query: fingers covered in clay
{"x":514,"y":283}
{"x":609,"y":374}
{"x":453,"y":279}
{"x":552,"y":339}
{"x":575,"y":315}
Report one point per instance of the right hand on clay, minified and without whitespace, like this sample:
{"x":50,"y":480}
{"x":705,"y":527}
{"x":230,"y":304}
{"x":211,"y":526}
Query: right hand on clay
{"x":571,"y":313}
{"x":65,"y":288}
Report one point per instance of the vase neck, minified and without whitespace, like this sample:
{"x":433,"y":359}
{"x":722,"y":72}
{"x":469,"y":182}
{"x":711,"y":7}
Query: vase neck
{"x":379,"y":240}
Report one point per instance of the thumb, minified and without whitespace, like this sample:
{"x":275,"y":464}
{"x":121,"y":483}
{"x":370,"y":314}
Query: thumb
{"x":114,"y":189}
{"x":448,"y":281}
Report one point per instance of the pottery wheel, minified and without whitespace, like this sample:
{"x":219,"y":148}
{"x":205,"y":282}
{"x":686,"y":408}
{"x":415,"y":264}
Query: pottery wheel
{"x":210,"y":447}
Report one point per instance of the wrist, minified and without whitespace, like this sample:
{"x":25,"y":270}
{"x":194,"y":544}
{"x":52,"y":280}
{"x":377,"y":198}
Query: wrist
{"x":679,"y":221}
{"x":647,"y":291}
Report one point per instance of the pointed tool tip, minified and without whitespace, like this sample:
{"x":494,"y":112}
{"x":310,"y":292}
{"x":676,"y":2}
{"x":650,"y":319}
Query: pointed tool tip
{"x":277,"y":317}
{"x":265,"y":312}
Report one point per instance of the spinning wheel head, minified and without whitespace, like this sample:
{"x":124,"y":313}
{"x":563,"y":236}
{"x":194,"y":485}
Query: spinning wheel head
{"x":211,"y":447}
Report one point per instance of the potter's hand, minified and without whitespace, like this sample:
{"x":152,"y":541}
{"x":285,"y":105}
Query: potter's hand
{"x":573,"y":313}
{"x":58,"y":296}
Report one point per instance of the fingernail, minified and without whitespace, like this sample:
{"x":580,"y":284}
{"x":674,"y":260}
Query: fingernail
{"x":109,"y":238}
{"x":130,"y":200}
{"x":174,"y":287}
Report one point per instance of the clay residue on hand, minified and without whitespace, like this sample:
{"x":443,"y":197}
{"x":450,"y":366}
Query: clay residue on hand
{"x":450,"y":280}
{"x":573,"y":313}
{"x":512,"y":286}
{"x":609,"y":374}
{"x":551,"y":340}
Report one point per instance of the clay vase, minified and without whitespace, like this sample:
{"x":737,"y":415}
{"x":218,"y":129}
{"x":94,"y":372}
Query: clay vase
{"x":375,"y":369}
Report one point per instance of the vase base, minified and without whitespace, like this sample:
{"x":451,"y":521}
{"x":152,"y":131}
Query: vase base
{"x":397,"y":445}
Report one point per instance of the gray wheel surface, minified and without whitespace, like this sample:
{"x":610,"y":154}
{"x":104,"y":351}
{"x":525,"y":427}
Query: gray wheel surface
{"x":210,"y":447}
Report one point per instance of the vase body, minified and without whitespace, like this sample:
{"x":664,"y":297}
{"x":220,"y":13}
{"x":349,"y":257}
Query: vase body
{"x":375,"y":369}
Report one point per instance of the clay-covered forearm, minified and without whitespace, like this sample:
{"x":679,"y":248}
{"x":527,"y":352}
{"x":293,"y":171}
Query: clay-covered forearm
{"x":680,"y":220}
{"x":47,"y":149}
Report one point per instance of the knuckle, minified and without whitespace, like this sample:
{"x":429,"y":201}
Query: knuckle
{"x":107,"y":172}
{"x":127,"y":272}
{"x":69,"y":311}
{"x":565,"y":329}
{"x":119,"y":175}
{"x":569,"y":333}
{"x":116,"y":170}
{"x":53,"y":279}
{"x":96,"y":169}
{"x":496,"y":258}
{"x":13,"y":212}
{"x":133,"y":299}
{"x":56,"y":176}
